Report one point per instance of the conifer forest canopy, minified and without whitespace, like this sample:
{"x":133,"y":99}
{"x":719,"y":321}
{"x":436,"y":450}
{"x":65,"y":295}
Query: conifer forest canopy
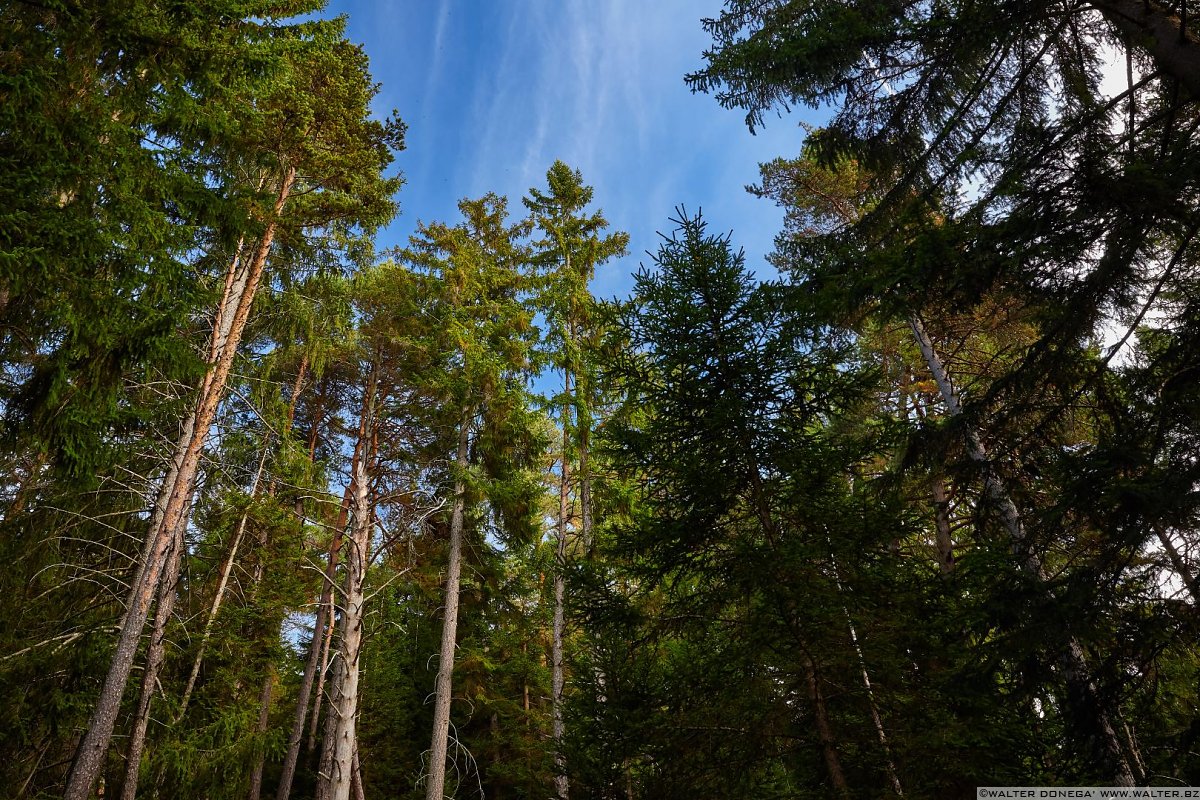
{"x":284,"y":511}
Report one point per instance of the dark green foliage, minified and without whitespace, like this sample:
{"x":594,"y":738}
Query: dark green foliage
{"x":1024,"y":215}
{"x":729,"y":554}
{"x":770,"y":600}
{"x":137,"y":142}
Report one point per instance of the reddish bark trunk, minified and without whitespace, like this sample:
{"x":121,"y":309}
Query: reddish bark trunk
{"x":154,"y":657}
{"x":89,"y":758}
{"x":833,"y":763}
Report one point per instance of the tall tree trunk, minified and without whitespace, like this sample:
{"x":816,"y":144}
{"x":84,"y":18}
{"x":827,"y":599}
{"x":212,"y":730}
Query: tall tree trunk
{"x":561,"y":785}
{"x":436,"y":780}
{"x":322,"y":676}
{"x":876,"y":717}
{"x":825,"y":735}
{"x":337,"y":773}
{"x":325,"y":766}
{"x":1083,"y":695}
{"x":1160,"y":33}
{"x":525,"y":685}
{"x":264,"y":712}
{"x":345,"y":709}
{"x":324,"y":618}
{"x":944,"y":538}
{"x":222,"y":586}
{"x":356,"y":784}
{"x":326,"y":595}
{"x":1010,"y":518}
{"x":89,"y":757}
{"x":154,"y":657}
{"x":1181,"y":568}
{"x":941,"y":521}
{"x":584,"y":424}
{"x":294,"y":398}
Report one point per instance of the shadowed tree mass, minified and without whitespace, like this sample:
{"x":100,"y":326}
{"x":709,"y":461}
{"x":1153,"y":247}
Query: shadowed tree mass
{"x":287,"y":511}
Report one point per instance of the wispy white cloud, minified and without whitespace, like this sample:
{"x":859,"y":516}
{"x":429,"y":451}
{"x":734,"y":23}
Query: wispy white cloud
{"x":506,"y":88}
{"x":432,"y":80}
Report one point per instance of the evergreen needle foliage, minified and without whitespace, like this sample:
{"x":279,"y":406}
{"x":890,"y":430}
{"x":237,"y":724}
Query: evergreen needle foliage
{"x":282,"y":516}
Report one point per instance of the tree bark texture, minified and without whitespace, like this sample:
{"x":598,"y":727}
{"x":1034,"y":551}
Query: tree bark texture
{"x":264,"y":712}
{"x":322,"y":673}
{"x":324,"y":619}
{"x":231,"y":321}
{"x":356,"y":784}
{"x":1151,"y":25}
{"x":154,"y":657}
{"x":941,"y":521}
{"x":325,"y":766}
{"x":435,"y":781}
{"x":344,"y":706}
{"x":825,"y":735}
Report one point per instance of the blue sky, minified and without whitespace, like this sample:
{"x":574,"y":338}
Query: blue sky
{"x":494,"y":91}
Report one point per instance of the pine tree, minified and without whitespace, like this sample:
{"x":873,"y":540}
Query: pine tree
{"x":316,"y":111}
{"x":479,"y":340}
{"x":733,"y":565}
{"x":572,"y":247}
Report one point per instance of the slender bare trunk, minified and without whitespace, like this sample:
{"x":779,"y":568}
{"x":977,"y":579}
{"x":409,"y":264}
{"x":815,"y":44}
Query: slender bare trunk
{"x":154,"y":657}
{"x":346,"y":708}
{"x":89,"y":757}
{"x":284,"y":790}
{"x":326,"y":644}
{"x":337,"y":774}
{"x":1010,"y":518}
{"x":876,"y":717}
{"x":325,"y":767}
{"x":944,"y":539}
{"x":324,"y":619}
{"x":436,"y":779}
{"x":356,"y":783}
{"x":42,"y":749}
{"x":585,"y":481}
{"x":824,"y":730}
{"x":264,"y":711}
{"x":525,"y":685}
{"x":1134,"y":751}
{"x":301,"y":374}
{"x":1181,"y":567}
{"x":1082,"y":692}
{"x":561,"y":784}
{"x":219,"y":597}
{"x":322,"y":675}
{"x":941,"y":521}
